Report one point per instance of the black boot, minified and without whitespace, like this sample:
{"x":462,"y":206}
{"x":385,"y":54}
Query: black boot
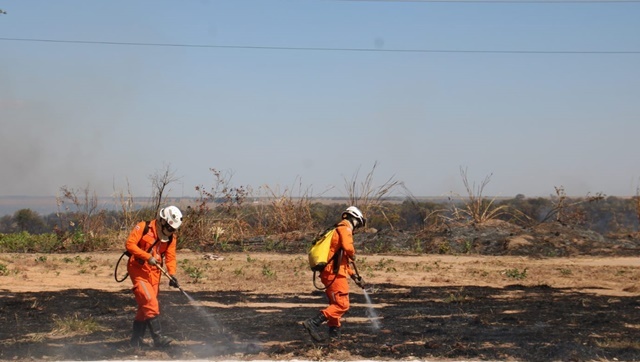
{"x":334,"y":333}
{"x":138,"y":333}
{"x":156,"y":329}
{"x":312,"y":325}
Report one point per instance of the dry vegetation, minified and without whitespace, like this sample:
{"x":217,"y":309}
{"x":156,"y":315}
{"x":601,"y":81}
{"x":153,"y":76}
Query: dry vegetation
{"x":474,"y":280}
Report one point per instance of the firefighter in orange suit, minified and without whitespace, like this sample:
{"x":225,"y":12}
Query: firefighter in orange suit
{"x":334,"y":276}
{"x":148,"y":245}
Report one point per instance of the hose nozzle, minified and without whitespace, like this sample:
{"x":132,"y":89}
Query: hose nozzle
{"x":356,"y":277}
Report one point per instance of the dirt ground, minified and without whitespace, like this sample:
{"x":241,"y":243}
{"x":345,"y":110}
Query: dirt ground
{"x":248,"y":306}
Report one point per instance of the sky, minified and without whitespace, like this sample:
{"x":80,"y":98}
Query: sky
{"x":302,"y":97}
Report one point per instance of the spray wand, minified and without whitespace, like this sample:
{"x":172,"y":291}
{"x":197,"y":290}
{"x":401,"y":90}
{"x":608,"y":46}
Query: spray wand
{"x":356,"y":277}
{"x":172,"y":279}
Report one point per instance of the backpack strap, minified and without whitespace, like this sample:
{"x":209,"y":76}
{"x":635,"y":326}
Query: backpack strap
{"x":336,"y":258}
{"x":146,"y":230}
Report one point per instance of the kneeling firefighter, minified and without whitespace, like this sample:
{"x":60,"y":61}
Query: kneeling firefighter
{"x":334,"y":276}
{"x":148,"y":245}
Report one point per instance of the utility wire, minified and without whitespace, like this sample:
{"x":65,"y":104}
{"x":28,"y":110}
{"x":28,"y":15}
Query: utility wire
{"x":502,"y":1}
{"x":373,"y":50}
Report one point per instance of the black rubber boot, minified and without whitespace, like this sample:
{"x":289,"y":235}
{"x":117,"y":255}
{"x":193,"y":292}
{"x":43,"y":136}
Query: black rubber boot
{"x":334,"y":333}
{"x":156,"y":329}
{"x":312,"y":326}
{"x":139,"y":328}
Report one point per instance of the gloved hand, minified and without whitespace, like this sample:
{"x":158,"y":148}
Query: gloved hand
{"x":152,"y":261}
{"x":173,"y":282}
{"x":358,"y":280}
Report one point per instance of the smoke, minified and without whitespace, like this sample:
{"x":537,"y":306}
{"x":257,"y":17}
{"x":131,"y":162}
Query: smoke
{"x":28,"y":148}
{"x":57,"y":130}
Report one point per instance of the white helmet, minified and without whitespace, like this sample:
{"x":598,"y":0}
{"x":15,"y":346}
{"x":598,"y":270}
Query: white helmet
{"x":356,"y":213}
{"x":172,"y":216}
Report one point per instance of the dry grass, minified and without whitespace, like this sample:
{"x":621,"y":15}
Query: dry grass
{"x":74,"y":325}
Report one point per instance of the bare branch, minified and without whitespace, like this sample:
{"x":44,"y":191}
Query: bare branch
{"x":160,"y":182}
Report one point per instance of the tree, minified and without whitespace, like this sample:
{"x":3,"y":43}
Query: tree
{"x":29,"y":220}
{"x":160,"y":182}
{"x":7,"y":224}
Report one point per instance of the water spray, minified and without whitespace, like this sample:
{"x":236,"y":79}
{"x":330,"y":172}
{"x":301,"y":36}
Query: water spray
{"x":371,"y":312}
{"x":246,"y":347}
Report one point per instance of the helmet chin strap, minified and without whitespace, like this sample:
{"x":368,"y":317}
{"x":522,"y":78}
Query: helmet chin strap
{"x":164,"y":238}
{"x":354,"y":222}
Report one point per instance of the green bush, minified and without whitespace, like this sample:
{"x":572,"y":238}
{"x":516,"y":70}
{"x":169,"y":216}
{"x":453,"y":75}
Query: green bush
{"x":23,"y":242}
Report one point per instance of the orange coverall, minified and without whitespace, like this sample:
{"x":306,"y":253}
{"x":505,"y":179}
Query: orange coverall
{"x":146,"y":277}
{"x":337,"y":284}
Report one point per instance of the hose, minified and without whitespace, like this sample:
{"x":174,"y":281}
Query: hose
{"x":115,"y":271}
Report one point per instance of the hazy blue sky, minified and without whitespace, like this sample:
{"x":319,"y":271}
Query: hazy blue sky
{"x":307,"y":93}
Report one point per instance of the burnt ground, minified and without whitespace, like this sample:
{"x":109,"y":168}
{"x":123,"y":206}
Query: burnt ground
{"x":527,"y":295}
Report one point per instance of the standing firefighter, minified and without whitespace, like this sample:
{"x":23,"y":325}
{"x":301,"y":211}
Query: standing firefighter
{"x":149,"y":244}
{"x":334,"y":276}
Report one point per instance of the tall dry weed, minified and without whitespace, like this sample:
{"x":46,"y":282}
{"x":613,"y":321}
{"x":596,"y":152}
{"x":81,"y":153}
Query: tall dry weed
{"x":477,"y":207}
{"x":369,"y":197}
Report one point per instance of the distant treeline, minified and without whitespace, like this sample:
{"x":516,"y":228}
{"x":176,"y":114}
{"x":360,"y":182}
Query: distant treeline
{"x":218,"y":223}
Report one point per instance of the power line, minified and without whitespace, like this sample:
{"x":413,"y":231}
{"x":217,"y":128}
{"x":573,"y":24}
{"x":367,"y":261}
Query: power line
{"x":502,"y":1}
{"x":325,"y":49}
